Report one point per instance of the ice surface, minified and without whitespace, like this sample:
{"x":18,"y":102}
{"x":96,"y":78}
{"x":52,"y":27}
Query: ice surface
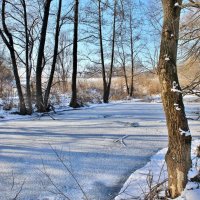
{"x":84,"y":139}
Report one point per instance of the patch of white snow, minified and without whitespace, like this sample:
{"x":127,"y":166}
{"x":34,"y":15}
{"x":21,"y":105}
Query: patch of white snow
{"x":186,"y":133}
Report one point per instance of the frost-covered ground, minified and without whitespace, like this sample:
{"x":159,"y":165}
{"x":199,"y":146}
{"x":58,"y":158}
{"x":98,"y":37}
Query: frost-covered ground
{"x":100,"y":146}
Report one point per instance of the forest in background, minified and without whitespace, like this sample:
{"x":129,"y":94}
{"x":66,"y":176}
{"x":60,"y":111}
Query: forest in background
{"x":115,"y":61}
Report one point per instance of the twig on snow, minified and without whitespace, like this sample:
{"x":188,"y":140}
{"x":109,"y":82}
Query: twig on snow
{"x":20,"y":189}
{"x":121,"y":140}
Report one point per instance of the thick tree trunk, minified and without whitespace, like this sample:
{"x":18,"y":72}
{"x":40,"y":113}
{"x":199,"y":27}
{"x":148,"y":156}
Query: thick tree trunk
{"x":178,"y":156}
{"x":39,"y":68}
{"x":48,"y":89}
{"x":74,"y":102}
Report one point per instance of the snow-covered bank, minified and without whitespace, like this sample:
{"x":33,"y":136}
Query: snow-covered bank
{"x":154,"y":174}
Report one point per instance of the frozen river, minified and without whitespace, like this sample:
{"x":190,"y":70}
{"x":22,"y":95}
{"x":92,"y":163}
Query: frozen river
{"x":99,"y":146}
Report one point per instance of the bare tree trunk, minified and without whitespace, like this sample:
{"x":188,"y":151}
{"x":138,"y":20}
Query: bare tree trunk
{"x":112,"y":54}
{"x":28,"y":71}
{"x":39,"y":68}
{"x":132,"y":56}
{"x":102,"y":53}
{"x":106,"y":86}
{"x":74,"y":102}
{"x":178,"y":157}
{"x":10,"y":45}
{"x":48,"y":89}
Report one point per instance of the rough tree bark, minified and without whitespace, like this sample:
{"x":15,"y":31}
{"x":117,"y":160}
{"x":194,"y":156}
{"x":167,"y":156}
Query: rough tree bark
{"x":178,"y":157}
{"x":73,"y":102}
